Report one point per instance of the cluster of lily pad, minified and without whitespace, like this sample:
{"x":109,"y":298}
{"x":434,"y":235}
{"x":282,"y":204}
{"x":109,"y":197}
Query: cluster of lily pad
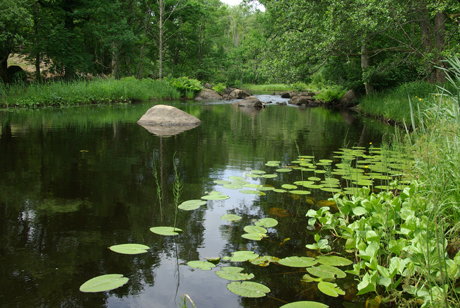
{"x":355,"y":167}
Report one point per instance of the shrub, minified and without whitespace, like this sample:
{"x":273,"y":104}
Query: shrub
{"x":185,"y":84}
{"x":299,"y":86}
{"x":219,"y":87}
{"x":331,"y":93}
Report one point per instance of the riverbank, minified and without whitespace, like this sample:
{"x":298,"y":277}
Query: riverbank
{"x":84,"y":92}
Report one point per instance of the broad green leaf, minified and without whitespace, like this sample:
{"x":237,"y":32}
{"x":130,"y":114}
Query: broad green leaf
{"x":289,"y":186}
{"x":222,"y":182}
{"x":303,"y":183}
{"x":252,"y":185}
{"x":368,"y":283}
{"x":230,"y":217}
{"x":248,"y":289}
{"x":326,"y":271}
{"x":241,"y":256}
{"x":298,"y":261}
{"x":215,"y":195}
{"x":191,"y":205}
{"x":333,"y":260}
{"x":233,"y":273}
{"x":203,"y":265}
{"x":305,"y":304}
{"x":266,"y":188}
{"x":331,"y":289}
{"x":308,"y":278}
{"x":258,"y":172}
{"x":283,"y":170}
{"x":255,"y":229}
{"x":165,"y":230}
{"x":130,"y":249}
{"x":103,"y":283}
{"x":359,"y":210}
{"x":266,"y":222}
{"x":251,"y":192}
{"x":300,"y":192}
{"x":280,"y":190}
{"x":269,"y":176}
{"x":233,"y":186}
{"x":254,"y":236}
{"x":312,"y":178}
{"x":234,"y":177}
{"x":250,"y":175}
{"x":264,"y":261}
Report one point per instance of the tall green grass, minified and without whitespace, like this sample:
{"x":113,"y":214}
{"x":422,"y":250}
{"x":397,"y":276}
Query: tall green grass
{"x":62,"y":93}
{"x":435,"y":146}
{"x":266,"y":87}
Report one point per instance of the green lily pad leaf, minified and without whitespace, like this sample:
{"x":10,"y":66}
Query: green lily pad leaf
{"x":254,"y":236}
{"x":323,"y":164}
{"x":280,"y":190}
{"x":264,"y":261}
{"x":268,"y":176}
{"x":233,"y":186}
{"x":258,"y":172}
{"x":103,"y":283}
{"x":331,"y":189}
{"x":266,"y":222}
{"x":313,"y":178}
{"x":252,"y":185}
{"x":213,"y":259}
{"x":251,"y":192}
{"x":331,"y":289}
{"x":255,"y":229}
{"x":230,"y":217}
{"x":241,"y":256}
{"x":320,"y":171}
{"x":250,"y":175}
{"x":222,"y":182}
{"x":215,"y":195}
{"x":298,"y":261}
{"x":191,"y":204}
{"x":303,"y":183}
{"x":248,"y":289}
{"x":283,"y":170}
{"x":289,"y":186}
{"x":305,"y":304}
{"x":327,"y":271}
{"x":333,"y":260}
{"x":240,"y":182}
{"x":300,"y":192}
{"x":312,"y":186}
{"x":233,"y":273}
{"x":165,"y":230}
{"x":203,"y":265}
{"x":308,"y":278}
{"x":130,"y":249}
{"x":234,"y":177}
{"x":266,"y":188}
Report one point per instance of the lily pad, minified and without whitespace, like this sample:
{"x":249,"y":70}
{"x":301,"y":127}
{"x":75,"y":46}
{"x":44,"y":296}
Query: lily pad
{"x":129,"y":249}
{"x":233,"y":186}
{"x":289,"y":186}
{"x":241,"y":256}
{"x":222,"y":182}
{"x":252,"y":185}
{"x":203,"y":265}
{"x":255,"y":229}
{"x":300,"y":192}
{"x":251,"y":175}
{"x":215,"y":195}
{"x":280,"y":190}
{"x":254,"y":236}
{"x":230,"y":217}
{"x":234,"y":177}
{"x":331,"y":289}
{"x":248,"y":289}
{"x":264,"y":261}
{"x":268,"y":176}
{"x":233,"y":273}
{"x":305,"y":304}
{"x":251,"y":192}
{"x":103,"y":283}
{"x":283,"y":170}
{"x":191,"y":204}
{"x":313,"y":178}
{"x":326,"y":271}
{"x":333,"y":260}
{"x":165,"y":230}
{"x":298,"y":261}
{"x":266,"y":188}
{"x":266,"y":222}
{"x":258,"y":172}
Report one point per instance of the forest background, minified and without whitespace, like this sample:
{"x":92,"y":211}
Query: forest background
{"x":363,"y":45}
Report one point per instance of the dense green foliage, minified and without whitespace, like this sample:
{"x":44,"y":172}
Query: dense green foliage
{"x":364,"y":45}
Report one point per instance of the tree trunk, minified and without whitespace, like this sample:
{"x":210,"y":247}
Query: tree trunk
{"x":4,"y":67}
{"x":427,"y":40}
{"x":365,"y":63}
{"x":160,"y":41}
{"x":37,"y":44}
{"x":115,"y":61}
{"x":439,"y":34}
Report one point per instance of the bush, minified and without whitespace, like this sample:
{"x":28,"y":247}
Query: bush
{"x":299,"y":86}
{"x":185,"y":85}
{"x":331,"y":93}
{"x":219,"y":87}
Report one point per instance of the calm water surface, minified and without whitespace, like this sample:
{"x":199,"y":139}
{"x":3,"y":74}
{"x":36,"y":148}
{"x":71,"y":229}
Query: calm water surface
{"x":75,"y":181}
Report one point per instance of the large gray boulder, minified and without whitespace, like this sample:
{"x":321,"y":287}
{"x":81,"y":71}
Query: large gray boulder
{"x":349,"y":97}
{"x":250,"y":101}
{"x":238,"y":94}
{"x":167,"y":116}
{"x":208,"y":94}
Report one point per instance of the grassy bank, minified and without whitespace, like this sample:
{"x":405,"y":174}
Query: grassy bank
{"x":61,"y":93}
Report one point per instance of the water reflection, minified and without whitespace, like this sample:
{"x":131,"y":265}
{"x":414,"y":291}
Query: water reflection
{"x":76,"y":181}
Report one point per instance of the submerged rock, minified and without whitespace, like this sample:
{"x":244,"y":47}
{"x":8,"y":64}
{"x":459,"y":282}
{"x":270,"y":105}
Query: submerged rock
{"x":250,"y":101}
